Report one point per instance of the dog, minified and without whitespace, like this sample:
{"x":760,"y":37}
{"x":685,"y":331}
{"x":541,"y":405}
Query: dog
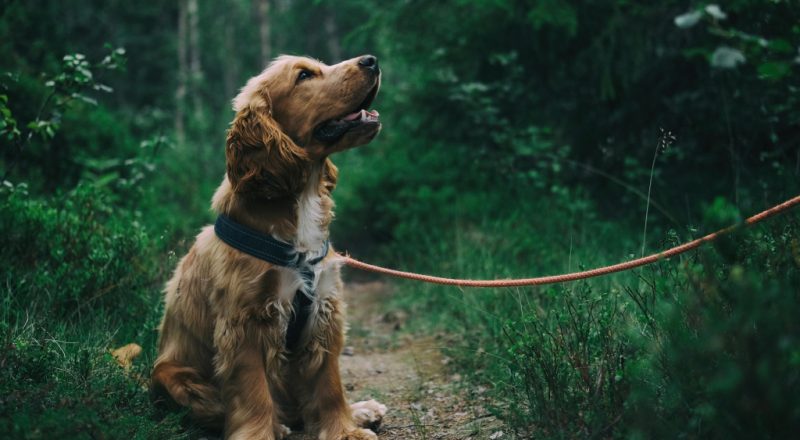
{"x":254,"y":320}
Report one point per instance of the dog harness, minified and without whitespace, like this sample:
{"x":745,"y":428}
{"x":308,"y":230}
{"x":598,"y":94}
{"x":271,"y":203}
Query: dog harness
{"x":270,"y":249}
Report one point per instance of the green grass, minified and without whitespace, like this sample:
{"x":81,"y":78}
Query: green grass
{"x":61,"y":382}
{"x":703,"y":345}
{"x":79,"y":279}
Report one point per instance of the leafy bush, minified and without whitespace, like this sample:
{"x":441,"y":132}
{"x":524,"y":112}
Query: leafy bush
{"x":80,"y":277}
{"x":722,"y":361}
{"x":83,"y":269}
{"x":76,"y":254}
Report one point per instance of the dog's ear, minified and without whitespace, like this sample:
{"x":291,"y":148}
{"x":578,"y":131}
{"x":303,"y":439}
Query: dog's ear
{"x":261,"y":159}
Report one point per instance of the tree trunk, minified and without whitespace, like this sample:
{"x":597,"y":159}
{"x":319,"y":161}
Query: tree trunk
{"x":279,"y":10}
{"x":332,"y":36}
{"x":195,"y":69}
{"x":231,"y":67}
{"x":183,"y":67}
{"x":264,"y":30}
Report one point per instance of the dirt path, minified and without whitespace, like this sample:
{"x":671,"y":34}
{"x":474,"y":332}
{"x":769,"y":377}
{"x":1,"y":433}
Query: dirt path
{"x":406,"y":374}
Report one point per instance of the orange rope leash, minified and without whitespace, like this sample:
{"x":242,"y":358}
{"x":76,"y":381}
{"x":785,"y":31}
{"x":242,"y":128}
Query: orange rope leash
{"x":352,"y":262}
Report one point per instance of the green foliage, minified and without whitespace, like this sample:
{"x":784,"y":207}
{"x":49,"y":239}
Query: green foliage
{"x":111,"y":261}
{"x":556,"y":13}
{"x":518,"y":140}
{"x":8,"y":125}
{"x":485,"y":75}
{"x":692,"y":347}
{"x":60,"y":92}
{"x":723,"y":358}
{"x":58,"y":384}
{"x":565,"y":366}
{"x":80,"y":277}
{"x":83,"y":270}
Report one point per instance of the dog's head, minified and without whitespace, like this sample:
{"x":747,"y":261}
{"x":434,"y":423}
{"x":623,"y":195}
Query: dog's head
{"x":297,"y":112}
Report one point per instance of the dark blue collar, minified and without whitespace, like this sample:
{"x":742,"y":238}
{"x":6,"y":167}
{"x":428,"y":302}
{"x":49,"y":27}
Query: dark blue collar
{"x":270,"y":249}
{"x":264,"y":246}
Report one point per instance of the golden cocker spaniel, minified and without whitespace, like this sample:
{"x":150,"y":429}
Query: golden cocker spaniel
{"x":254,"y":318}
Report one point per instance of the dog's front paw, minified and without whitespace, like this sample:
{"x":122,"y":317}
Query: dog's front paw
{"x":358,"y":434}
{"x":368,"y":413}
{"x":282,"y":431}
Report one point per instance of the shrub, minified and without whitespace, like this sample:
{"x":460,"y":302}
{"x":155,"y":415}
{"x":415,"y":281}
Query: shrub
{"x":565,"y":366}
{"x":722,"y":361}
{"x":80,"y":276}
{"x":76,"y":255}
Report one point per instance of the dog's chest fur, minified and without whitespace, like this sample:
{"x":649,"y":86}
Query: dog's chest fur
{"x":313,"y":211}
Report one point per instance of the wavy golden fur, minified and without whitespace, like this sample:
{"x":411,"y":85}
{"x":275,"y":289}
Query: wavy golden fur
{"x":222,"y":347}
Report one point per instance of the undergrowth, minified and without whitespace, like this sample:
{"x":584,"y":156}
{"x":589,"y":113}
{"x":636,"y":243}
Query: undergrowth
{"x":704,"y":345}
{"x":79,"y":279}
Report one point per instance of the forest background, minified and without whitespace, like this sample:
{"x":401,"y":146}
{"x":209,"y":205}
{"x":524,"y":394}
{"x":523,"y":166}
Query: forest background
{"x":521,"y":137}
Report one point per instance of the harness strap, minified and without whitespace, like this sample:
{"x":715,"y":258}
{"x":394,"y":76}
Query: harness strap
{"x":301,"y":310}
{"x":270,"y":249}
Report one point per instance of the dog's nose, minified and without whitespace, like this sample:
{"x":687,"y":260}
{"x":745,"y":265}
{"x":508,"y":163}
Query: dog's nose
{"x":368,"y":62}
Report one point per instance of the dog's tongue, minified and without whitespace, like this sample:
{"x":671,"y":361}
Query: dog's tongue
{"x":361,"y":114}
{"x":353,"y":116}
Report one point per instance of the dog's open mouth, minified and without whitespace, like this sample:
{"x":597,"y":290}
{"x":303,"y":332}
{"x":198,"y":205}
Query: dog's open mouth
{"x":333,"y":130}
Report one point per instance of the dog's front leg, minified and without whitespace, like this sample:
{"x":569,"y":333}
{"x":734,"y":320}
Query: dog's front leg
{"x":242,"y":363}
{"x":323,"y":400}
{"x":329,"y":406}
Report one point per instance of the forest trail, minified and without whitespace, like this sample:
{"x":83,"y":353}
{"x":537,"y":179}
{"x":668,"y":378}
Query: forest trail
{"x":407,"y":374}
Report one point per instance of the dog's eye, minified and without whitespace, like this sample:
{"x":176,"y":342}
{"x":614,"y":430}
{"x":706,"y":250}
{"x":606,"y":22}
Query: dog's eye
{"x":304,"y":74}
